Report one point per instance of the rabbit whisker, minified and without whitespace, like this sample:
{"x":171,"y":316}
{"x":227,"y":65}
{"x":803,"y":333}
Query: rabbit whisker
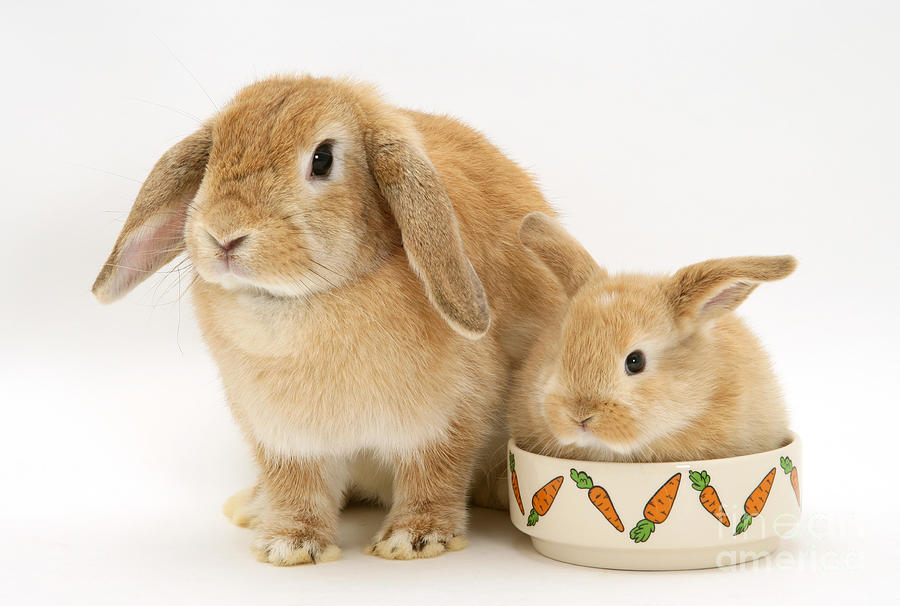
{"x":168,"y":107}
{"x":104,"y":171}
{"x":176,"y":270}
{"x":190,"y":73}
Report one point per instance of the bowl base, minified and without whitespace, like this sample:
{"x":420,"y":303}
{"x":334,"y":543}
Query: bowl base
{"x":655,"y":559}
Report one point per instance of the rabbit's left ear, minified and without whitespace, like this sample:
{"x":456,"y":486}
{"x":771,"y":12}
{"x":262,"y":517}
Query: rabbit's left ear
{"x":705,"y":290}
{"x":572,"y":265}
{"x":430,"y":232}
{"x":153,"y":233}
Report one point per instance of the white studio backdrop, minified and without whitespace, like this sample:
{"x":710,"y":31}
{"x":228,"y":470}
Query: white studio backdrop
{"x":665,"y":133}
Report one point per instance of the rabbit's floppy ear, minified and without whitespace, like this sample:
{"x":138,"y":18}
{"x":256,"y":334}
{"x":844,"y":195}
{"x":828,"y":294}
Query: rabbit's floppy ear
{"x":429,"y":229}
{"x":711,"y":288}
{"x":559,"y":251}
{"x":153,"y":233}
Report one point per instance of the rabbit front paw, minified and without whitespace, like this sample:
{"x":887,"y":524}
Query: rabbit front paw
{"x":283,"y":546}
{"x":417,"y":537}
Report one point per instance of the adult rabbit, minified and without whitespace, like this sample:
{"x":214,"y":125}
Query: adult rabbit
{"x":361,"y":286}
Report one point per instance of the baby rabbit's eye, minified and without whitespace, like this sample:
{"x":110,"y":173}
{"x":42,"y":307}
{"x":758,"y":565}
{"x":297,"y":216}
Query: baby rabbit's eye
{"x":634,"y":362}
{"x":321,"y":160}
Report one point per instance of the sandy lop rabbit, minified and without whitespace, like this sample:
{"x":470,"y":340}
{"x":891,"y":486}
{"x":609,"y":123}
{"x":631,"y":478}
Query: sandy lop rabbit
{"x":647,"y":368}
{"x":360,"y":284}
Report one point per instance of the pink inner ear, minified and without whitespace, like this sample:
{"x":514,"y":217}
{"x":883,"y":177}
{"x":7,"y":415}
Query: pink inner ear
{"x":147,"y":249}
{"x":728,"y":298}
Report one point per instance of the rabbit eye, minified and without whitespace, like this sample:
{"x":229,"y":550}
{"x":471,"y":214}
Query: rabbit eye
{"x":321,"y":160}
{"x":634,"y":362}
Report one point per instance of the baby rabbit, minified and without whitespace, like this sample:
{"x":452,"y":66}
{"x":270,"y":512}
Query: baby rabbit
{"x":647,"y":368}
{"x":360,"y":284}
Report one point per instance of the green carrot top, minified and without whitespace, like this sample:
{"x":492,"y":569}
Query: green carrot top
{"x":582,"y":480}
{"x":699,"y":479}
{"x":512,"y":462}
{"x":787,"y":465}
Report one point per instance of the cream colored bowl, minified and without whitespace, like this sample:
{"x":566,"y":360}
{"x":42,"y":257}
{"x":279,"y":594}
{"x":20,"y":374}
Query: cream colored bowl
{"x":656,"y":516}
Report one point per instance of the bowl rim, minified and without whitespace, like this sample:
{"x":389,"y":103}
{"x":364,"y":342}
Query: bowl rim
{"x":793,"y":442}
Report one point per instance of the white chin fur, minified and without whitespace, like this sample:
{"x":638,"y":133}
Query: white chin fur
{"x":588,"y":440}
{"x":229,"y":281}
{"x":233,"y":280}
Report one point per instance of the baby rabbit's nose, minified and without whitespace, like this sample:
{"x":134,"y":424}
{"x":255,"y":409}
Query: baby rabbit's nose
{"x":583,"y":422}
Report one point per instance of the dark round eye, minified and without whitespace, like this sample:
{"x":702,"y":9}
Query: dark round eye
{"x":321,"y":161}
{"x":634,"y":362}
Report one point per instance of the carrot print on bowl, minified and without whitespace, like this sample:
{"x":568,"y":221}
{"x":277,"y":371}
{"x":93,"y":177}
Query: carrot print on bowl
{"x":755,"y":502}
{"x":788,"y":466}
{"x":599,"y":497}
{"x":656,"y":510}
{"x":693,"y":535}
{"x":514,"y":480}
{"x":543,"y":499}
{"x":709,"y":498}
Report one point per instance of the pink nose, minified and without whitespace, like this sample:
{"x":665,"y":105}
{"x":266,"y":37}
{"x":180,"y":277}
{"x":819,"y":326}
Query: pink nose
{"x":232,"y":244}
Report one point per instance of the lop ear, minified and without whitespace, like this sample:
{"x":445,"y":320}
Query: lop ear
{"x":709,"y":289}
{"x":153,"y":233}
{"x":559,"y":251}
{"x":428,"y":226}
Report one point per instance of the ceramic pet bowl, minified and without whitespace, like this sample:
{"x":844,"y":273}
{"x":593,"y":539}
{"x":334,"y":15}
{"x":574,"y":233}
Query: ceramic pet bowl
{"x":656,"y":516}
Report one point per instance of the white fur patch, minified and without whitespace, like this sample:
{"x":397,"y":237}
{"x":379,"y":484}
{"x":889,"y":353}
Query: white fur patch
{"x":399,"y":546}
{"x":281,"y":552}
{"x":606,"y":299}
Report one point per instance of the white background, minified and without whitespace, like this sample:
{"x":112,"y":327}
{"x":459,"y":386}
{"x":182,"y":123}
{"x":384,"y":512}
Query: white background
{"x":665,"y":132}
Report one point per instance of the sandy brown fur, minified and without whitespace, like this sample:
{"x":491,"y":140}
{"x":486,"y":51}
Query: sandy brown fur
{"x":708,"y":390}
{"x":299,"y":520}
{"x":367,"y":333}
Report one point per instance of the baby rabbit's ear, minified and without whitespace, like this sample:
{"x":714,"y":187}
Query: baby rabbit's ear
{"x":153,"y":233}
{"x":559,"y":251}
{"x":428,"y":226}
{"x":711,"y":288}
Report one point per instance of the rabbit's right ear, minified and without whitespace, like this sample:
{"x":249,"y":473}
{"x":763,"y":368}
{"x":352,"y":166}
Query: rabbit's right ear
{"x":153,"y":233}
{"x":709,"y":289}
{"x":559,"y":251}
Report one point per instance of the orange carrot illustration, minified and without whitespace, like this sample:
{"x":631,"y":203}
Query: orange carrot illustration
{"x":515,"y":482}
{"x":788,"y":466}
{"x":656,"y":510}
{"x":599,"y":497}
{"x":755,"y":502}
{"x":543,"y":499}
{"x":709,"y":498}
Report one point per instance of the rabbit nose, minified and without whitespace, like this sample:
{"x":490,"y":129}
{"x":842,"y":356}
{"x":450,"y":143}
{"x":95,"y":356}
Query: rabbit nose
{"x":233,"y":243}
{"x":583,"y":422}
{"x":228,"y":244}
